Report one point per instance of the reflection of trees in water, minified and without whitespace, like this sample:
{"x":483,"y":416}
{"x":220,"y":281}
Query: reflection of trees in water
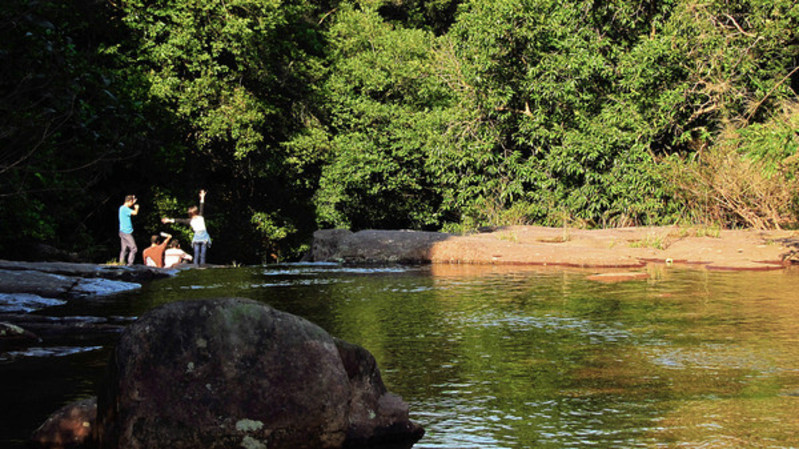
{"x":493,"y":356}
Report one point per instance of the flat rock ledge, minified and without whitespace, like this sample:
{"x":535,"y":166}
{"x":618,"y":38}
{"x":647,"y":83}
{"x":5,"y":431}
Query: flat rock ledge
{"x":231,"y":373}
{"x":27,"y":287}
{"x":534,"y":245}
{"x":32,"y":284}
{"x":133,"y":273}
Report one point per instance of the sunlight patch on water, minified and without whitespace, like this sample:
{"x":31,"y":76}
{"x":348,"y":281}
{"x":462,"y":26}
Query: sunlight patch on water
{"x":713,"y":357}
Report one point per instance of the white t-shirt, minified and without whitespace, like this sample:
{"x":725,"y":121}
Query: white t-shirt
{"x":197,"y":223}
{"x":174,"y":256}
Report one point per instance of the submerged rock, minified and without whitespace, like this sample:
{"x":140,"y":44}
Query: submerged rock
{"x":66,"y":329}
{"x":231,"y":372}
{"x":26,"y":302}
{"x":101,"y":287}
{"x":12,"y":335}
{"x":69,"y":427}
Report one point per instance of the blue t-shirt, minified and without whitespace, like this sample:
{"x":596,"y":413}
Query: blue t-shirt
{"x":125,"y":223}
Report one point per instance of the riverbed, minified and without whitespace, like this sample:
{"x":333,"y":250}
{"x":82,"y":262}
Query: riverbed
{"x":505,"y":356}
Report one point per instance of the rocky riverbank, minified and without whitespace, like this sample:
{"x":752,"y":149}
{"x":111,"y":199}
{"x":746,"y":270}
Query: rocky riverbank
{"x":312,"y":389}
{"x":27,"y":287}
{"x":533,"y":245}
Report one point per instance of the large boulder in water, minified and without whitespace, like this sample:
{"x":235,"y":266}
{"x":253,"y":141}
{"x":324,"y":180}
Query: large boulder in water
{"x":232,"y":373}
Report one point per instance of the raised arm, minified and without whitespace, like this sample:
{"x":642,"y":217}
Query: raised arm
{"x":133,"y":206}
{"x":167,"y":238}
{"x":202,"y":201}
{"x":166,"y":220}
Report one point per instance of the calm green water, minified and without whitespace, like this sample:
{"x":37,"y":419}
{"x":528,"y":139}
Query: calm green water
{"x":493,"y":357}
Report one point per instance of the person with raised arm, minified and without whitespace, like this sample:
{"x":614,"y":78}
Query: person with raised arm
{"x":201,"y":240}
{"x":154,"y":255}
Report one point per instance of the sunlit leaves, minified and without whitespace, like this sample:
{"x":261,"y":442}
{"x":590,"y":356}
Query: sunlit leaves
{"x":382,"y":93}
{"x":200,"y":55}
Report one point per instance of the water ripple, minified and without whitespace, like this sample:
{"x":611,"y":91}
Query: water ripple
{"x":46,"y":352}
{"x":598,"y":332}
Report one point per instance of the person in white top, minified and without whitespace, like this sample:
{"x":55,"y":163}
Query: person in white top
{"x":174,"y":255}
{"x":201,"y":240}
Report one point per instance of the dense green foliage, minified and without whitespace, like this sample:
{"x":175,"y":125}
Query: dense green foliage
{"x":437,"y":114}
{"x":61,"y":111}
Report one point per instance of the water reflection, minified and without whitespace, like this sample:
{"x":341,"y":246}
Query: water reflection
{"x":515,"y":357}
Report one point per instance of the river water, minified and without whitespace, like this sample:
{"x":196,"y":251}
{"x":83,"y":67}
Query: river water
{"x":507,"y":357}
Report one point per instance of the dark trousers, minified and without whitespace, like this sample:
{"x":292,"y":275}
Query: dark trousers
{"x":128,"y":245}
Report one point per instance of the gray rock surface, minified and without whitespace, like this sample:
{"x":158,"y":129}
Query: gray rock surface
{"x":134,"y":273}
{"x":46,"y":285}
{"x":101,"y":287}
{"x":326,"y":243}
{"x":61,"y":280}
{"x":67,"y":327}
{"x":34,"y":286}
{"x":26,"y":302}
{"x":231,"y":372}
{"x":376,"y":416}
{"x":375,"y":247}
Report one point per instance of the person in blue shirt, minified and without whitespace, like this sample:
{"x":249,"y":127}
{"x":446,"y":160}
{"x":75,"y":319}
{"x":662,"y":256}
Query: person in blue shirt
{"x":128,"y":209}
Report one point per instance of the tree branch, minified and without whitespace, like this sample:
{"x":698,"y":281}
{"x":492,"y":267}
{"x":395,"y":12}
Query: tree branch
{"x":526,"y":110}
{"x":738,"y":26}
{"x":749,"y":116}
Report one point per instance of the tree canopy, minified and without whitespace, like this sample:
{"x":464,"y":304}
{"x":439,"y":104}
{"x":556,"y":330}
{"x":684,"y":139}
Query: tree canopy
{"x":422,"y":114}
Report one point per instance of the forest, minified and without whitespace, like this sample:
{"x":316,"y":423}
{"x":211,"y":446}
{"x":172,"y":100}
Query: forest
{"x":445,"y":115}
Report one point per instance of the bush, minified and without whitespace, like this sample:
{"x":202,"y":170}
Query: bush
{"x":747,"y":178}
